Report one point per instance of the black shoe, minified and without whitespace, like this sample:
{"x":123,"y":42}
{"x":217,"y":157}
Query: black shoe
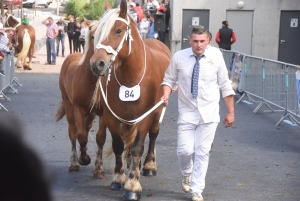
{"x":2,"y":73}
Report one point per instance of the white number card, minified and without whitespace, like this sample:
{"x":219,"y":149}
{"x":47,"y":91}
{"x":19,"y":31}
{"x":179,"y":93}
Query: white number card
{"x":129,"y":94}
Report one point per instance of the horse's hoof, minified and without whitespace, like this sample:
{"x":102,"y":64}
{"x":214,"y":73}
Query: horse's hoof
{"x":74,"y":168}
{"x":149,"y":173}
{"x":19,"y":66}
{"x":29,"y":68}
{"x":129,"y":195}
{"x":99,"y":175}
{"x":116,"y":186}
{"x":84,"y":160}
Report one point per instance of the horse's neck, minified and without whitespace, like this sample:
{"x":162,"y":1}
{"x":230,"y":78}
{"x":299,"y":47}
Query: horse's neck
{"x":84,"y":69}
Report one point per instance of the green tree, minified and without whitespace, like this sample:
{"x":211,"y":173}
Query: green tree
{"x":81,"y":8}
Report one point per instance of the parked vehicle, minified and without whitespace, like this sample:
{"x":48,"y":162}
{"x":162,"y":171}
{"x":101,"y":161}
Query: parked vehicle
{"x":35,"y":3}
{"x":13,"y":3}
{"x":63,"y":2}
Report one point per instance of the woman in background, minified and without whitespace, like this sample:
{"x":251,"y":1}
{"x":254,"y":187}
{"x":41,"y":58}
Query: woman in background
{"x":76,"y":38}
{"x":83,"y":33}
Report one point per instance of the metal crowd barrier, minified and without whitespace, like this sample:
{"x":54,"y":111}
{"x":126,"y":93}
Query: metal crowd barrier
{"x":8,"y":83}
{"x":39,"y":44}
{"x":273,"y":83}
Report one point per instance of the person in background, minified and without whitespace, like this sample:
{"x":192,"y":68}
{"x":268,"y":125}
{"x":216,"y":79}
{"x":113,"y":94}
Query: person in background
{"x":83,"y":33}
{"x":152,"y":32}
{"x":77,"y":31}
{"x":25,"y":19}
{"x":161,"y":34}
{"x":51,"y":33}
{"x":1,"y":66}
{"x":62,"y":29}
{"x":201,"y":73}
{"x":132,"y":12}
{"x":1,"y":23}
{"x":225,"y":36}
{"x":144,"y":27}
{"x":153,"y":4}
{"x":71,"y":32}
{"x":5,"y":48}
{"x":139,"y":11}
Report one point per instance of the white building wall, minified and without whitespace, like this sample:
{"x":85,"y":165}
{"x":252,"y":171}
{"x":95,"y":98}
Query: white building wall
{"x":266,"y":21}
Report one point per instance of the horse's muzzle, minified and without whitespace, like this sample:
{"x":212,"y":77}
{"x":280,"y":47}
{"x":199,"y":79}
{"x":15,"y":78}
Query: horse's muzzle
{"x":98,"y":67}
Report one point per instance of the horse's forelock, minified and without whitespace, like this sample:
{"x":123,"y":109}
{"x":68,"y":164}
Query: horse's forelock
{"x":105,"y":25}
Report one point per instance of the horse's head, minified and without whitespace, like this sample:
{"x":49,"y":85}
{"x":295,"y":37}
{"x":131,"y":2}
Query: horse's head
{"x":89,"y":41}
{"x":112,"y":40}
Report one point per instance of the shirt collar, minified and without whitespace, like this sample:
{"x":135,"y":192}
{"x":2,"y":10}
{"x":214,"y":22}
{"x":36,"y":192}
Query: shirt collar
{"x":191,"y":53}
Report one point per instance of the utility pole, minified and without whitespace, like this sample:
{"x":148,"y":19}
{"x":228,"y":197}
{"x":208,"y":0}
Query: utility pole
{"x":2,"y":7}
{"x":57,"y":7}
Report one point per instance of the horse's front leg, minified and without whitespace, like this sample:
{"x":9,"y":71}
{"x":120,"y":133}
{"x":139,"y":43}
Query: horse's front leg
{"x":100,"y":139}
{"x":72,"y":130}
{"x":132,"y":186}
{"x":119,"y":177}
{"x":84,"y":122}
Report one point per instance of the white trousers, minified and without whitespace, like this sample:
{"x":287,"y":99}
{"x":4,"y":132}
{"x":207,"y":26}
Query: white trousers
{"x":195,"y":139}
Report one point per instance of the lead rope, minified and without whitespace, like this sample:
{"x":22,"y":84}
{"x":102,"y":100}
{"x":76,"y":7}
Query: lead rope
{"x":131,"y":122}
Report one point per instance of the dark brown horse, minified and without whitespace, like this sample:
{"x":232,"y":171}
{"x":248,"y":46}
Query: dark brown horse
{"x":23,"y":40}
{"x":77,"y":84}
{"x":132,"y":71}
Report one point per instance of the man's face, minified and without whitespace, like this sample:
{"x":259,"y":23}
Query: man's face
{"x":71,"y":19}
{"x":61,"y":20}
{"x":199,"y":43}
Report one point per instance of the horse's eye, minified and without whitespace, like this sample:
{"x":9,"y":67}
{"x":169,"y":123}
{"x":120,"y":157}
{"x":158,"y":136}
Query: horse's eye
{"x":92,"y":37}
{"x":119,"y":31}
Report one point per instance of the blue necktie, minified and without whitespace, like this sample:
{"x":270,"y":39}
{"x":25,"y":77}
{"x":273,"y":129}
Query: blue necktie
{"x":195,"y":77}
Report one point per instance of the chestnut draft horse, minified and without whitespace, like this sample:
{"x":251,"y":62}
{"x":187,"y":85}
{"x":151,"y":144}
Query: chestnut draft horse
{"x":23,"y":40}
{"x":77,"y":84}
{"x":132,"y":71}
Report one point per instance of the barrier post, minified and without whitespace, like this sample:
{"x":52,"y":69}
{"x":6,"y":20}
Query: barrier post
{"x":286,"y":112}
{"x":244,"y":75}
{"x":263,"y":101}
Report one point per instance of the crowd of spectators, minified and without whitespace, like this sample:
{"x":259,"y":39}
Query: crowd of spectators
{"x":145,"y":15}
{"x":5,"y":46}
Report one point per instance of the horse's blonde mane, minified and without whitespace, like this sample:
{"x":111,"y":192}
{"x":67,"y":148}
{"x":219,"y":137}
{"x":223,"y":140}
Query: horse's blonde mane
{"x":93,"y":26}
{"x":105,"y":25}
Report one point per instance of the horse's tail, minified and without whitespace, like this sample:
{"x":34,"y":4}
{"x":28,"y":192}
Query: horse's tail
{"x":26,"y":45}
{"x":60,"y":113}
{"x":128,"y":134}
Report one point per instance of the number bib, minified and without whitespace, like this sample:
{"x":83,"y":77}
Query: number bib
{"x":129,"y":94}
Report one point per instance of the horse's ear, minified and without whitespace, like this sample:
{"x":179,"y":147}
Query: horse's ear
{"x":123,"y":9}
{"x":107,"y":6}
{"x":86,"y":21}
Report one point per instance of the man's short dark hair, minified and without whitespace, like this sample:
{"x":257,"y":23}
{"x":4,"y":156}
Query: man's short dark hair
{"x":199,"y":30}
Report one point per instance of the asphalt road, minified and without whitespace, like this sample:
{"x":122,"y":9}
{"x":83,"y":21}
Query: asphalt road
{"x":254,"y":160}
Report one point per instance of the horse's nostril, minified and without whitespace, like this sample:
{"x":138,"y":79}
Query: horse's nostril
{"x":101,"y":64}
